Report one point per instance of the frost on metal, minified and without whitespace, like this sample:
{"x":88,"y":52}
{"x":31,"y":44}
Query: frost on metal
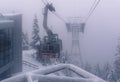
{"x":41,"y":75}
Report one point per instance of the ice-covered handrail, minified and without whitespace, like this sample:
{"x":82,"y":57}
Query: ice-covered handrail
{"x":41,"y":75}
{"x":48,"y":78}
{"x":55,"y":68}
{"x":30,"y":64}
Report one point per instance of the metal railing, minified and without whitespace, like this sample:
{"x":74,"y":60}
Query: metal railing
{"x":41,"y":75}
{"x":30,"y":64}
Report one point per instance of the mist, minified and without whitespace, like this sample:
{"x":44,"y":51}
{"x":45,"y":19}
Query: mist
{"x":98,"y":42}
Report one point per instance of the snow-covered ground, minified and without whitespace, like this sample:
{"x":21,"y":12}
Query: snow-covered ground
{"x":29,"y":61}
{"x":41,"y":75}
{"x":34,"y":69}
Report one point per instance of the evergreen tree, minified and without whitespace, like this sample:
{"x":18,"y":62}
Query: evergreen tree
{"x":111,"y":76}
{"x":117,"y":63}
{"x":115,"y":73}
{"x":106,"y":71}
{"x":97,"y":70}
{"x":88,"y":67}
{"x":63,"y":57}
{"x":25,"y":41}
{"x":35,"y":34}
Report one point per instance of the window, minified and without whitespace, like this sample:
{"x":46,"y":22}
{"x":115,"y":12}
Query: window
{"x":6,"y":51}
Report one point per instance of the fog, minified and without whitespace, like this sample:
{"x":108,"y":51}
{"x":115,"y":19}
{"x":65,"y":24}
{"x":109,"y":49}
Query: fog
{"x":99,"y":41}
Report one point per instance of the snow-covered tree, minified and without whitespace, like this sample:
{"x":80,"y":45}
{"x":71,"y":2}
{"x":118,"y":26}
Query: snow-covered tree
{"x":63,"y":57}
{"x":25,"y":41}
{"x":111,"y":77}
{"x":97,"y":70}
{"x":35,"y":34}
{"x":117,"y":63}
{"x":88,"y":67}
{"x":106,"y":71}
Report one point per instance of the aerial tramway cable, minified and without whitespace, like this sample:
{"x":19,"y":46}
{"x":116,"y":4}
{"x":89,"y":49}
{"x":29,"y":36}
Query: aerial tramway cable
{"x":92,"y":9}
{"x":55,"y":13}
{"x":44,"y":2}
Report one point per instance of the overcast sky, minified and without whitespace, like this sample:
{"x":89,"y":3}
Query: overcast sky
{"x":99,"y":41}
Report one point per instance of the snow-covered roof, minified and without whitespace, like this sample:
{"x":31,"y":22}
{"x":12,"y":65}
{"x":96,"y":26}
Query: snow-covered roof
{"x":4,"y":23}
{"x":11,"y":14}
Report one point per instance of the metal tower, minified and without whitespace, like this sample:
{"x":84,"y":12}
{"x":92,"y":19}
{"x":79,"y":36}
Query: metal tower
{"x":75,"y":26}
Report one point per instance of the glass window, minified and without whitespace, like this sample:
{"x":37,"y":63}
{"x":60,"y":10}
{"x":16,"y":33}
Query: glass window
{"x":6,"y":53}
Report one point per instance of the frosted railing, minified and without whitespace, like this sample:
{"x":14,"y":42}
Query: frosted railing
{"x":41,"y":75}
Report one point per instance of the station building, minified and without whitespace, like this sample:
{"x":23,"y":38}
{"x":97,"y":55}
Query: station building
{"x":10,"y":45}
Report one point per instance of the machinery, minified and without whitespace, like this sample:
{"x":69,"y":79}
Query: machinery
{"x":51,"y":45}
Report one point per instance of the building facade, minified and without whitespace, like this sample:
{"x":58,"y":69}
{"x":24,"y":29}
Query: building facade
{"x":10,"y":45}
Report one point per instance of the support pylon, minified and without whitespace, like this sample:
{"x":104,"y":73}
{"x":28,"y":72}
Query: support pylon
{"x":75,"y":27}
